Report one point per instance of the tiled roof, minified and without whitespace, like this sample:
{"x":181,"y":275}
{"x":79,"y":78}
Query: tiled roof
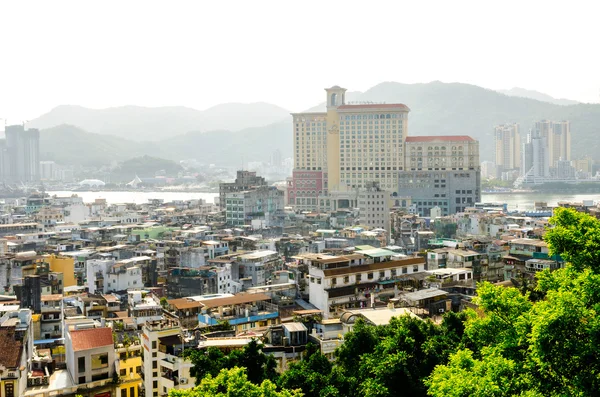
{"x":374,"y":106}
{"x":445,"y":138}
{"x":373,"y":267}
{"x":10,"y":349}
{"x":182,"y":303}
{"x":85,"y":339}
{"x":235,"y":300}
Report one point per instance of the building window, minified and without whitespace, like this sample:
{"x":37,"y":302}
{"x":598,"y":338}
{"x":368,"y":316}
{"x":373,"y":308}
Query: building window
{"x":404,"y":270}
{"x":358,"y":277}
{"x":370,"y":276}
{"x":381,"y":274}
{"x":346,"y":279}
{"x":124,"y":393}
{"x":415,"y":268}
{"x":81,"y":380}
{"x":334,"y":281}
{"x":155,"y":384}
{"x":81,"y":364}
{"x":99,"y":360}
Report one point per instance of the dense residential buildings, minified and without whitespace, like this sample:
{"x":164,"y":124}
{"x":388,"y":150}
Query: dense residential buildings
{"x":109,"y":307}
{"x":104,"y":298}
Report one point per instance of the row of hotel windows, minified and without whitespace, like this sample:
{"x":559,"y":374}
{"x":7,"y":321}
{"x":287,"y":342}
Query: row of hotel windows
{"x":368,"y":175}
{"x":373,"y":116}
{"x":371,"y":123}
{"x":372,"y":168}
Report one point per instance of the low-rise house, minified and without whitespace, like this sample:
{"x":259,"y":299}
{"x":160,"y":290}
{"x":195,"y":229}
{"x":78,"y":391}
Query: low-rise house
{"x":16,"y":349}
{"x":338,"y":283}
{"x":143,"y":307}
{"x":259,"y":266}
{"x":242,"y":311}
{"x":90,"y":357}
{"x":51,"y":317}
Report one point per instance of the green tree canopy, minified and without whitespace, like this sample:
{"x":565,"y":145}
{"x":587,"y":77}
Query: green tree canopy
{"x":233,"y":383}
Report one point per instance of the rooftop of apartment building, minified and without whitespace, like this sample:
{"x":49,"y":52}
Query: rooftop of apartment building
{"x":11,"y":347}
{"x":92,"y":338}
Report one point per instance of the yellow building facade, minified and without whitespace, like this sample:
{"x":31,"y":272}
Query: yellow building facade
{"x":64,"y":265}
{"x":129,"y":368}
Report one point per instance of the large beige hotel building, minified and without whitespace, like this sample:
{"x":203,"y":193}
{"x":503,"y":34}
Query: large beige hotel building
{"x":338,"y":153}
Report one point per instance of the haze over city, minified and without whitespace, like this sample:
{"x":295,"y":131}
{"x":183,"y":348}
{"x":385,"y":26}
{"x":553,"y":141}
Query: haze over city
{"x":299,"y":199}
{"x":200,"y":54}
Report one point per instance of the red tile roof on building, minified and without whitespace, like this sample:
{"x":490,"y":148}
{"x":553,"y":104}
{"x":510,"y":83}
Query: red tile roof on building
{"x":446,"y":138}
{"x":85,"y":339}
{"x":235,"y":300}
{"x":11,"y":348}
{"x":374,"y":106}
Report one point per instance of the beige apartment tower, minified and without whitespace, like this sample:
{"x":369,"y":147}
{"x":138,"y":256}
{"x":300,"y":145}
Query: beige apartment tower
{"x":558,"y":139}
{"x":508,"y":147}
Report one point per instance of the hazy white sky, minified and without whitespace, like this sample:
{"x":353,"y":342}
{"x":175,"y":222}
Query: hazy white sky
{"x":201,"y":53}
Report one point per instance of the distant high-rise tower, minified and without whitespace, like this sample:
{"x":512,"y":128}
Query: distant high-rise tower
{"x":536,"y":156}
{"x":558,"y":139}
{"x":508,"y":147}
{"x":21,"y":157}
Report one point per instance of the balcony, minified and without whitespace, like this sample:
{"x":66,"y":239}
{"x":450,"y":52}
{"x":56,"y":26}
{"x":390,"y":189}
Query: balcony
{"x":261,"y":316}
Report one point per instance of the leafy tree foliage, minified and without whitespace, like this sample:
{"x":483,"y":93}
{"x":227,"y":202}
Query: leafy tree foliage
{"x":233,"y":383}
{"x":576,"y":238}
{"x":259,"y":366}
{"x":542,"y":348}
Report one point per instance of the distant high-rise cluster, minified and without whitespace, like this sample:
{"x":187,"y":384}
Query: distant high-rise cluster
{"x":20,"y":155}
{"x":547,"y":152}
{"x":340,"y":152}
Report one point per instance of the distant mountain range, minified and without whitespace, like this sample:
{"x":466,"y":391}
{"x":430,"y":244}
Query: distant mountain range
{"x":539,"y":96}
{"x":153,"y":124}
{"x":217,"y":135}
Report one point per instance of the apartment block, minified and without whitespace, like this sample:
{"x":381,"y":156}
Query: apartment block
{"x":508,"y":147}
{"x":245,"y":180}
{"x":373,"y":204}
{"x":256,"y":207}
{"x":441,"y":171}
{"x":164,"y":367}
{"x":558,"y":139}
